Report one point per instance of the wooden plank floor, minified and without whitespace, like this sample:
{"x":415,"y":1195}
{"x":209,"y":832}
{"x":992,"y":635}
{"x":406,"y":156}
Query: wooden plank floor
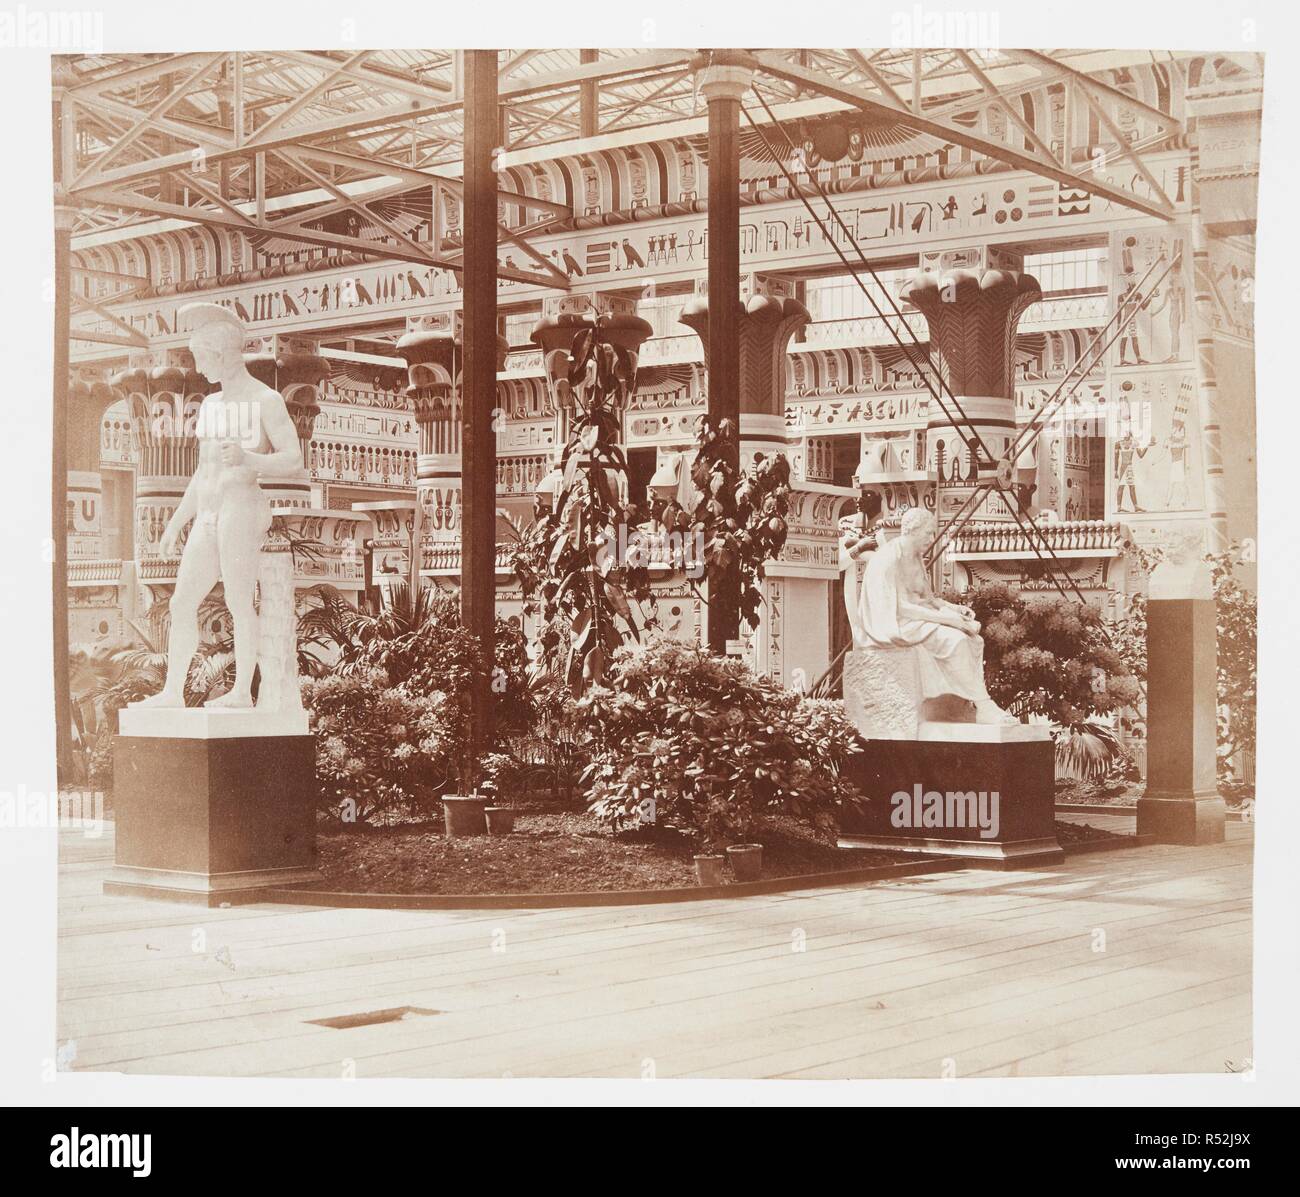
{"x":1132,"y":961}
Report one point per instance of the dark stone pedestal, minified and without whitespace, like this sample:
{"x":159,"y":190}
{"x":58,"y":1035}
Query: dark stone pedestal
{"x":1182,"y":820}
{"x":1181,"y":804}
{"x":948,"y":779}
{"x":213,"y":820}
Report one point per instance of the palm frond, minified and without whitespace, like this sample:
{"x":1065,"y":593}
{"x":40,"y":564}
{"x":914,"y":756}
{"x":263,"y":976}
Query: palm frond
{"x":211,"y":673}
{"x":1087,"y":751}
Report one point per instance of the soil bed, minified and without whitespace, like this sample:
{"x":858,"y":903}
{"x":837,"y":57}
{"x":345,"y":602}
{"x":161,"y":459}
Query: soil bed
{"x":554,"y":852}
{"x":1084,"y":833}
{"x":567,"y":852}
{"x":1091,"y":793}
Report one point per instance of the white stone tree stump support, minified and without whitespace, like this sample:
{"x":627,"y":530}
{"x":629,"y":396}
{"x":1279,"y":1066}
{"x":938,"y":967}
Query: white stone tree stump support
{"x":882,"y":691}
{"x":277,"y":646}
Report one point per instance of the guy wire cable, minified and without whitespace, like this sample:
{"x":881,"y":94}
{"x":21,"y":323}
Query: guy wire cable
{"x":978,"y":440}
{"x":839,"y":220}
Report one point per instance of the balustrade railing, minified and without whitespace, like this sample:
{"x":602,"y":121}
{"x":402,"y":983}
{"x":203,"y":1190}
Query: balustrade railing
{"x":1062,"y":536}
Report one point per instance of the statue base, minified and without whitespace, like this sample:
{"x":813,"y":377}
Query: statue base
{"x":983,"y":792}
{"x":209,"y":811}
{"x":210,"y":723}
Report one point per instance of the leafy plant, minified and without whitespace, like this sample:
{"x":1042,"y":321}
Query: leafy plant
{"x":93,"y":671}
{"x":1054,"y":657}
{"x":140,"y":668}
{"x":1088,"y":751}
{"x":324,"y":631}
{"x":708,"y":746}
{"x":393,"y":639}
{"x":549,"y":751}
{"x":423,"y":649}
{"x":502,"y":774}
{"x":740,"y":515}
{"x":568,"y":559}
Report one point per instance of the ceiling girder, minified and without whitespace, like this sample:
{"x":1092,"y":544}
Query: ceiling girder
{"x":239,"y":220}
{"x":167,"y":122}
{"x":883,"y":105}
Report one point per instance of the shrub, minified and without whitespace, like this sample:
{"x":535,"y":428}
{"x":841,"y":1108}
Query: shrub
{"x":380,"y":754}
{"x":424,"y":650}
{"x":1054,"y":657}
{"x":710,"y":744}
{"x":1050,"y":656}
{"x":502,"y":775}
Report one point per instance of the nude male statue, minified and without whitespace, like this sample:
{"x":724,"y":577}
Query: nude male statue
{"x":243,"y":430}
{"x":898,"y":609}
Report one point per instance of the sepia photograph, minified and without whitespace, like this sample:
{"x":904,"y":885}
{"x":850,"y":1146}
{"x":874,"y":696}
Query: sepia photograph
{"x":645,"y":561}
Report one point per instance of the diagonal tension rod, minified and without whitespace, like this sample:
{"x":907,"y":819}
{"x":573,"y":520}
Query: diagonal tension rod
{"x":975,"y":440}
{"x":967,"y":509}
{"x":1091,"y":355}
{"x":1120,"y":317}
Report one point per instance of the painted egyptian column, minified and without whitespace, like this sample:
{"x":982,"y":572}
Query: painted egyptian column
{"x":163,"y":393}
{"x":431,"y":347}
{"x":85,"y":496}
{"x":95,"y":593}
{"x":292,"y":367}
{"x":770,"y":316}
{"x":808,"y":565}
{"x":88,"y":399}
{"x":972,"y":316}
{"x":615,"y":322}
{"x":1224,"y":129}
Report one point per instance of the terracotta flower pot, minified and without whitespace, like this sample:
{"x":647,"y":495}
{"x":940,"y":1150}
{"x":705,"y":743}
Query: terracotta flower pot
{"x":464,"y":815}
{"x":708,"y":869}
{"x":500,"y":820}
{"x":746,"y":861}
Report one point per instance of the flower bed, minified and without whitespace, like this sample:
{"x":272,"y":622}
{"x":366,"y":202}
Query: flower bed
{"x":564,"y":852}
{"x":554,"y":852}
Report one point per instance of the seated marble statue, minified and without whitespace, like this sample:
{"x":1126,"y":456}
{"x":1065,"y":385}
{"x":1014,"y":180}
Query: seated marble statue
{"x":858,"y":540}
{"x":897,"y":609}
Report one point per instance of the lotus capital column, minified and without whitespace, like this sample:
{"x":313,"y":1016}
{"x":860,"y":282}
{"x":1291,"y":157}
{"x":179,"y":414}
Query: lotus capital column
{"x":432,"y":349}
{"x":294,"y":367}
{"x":163,"y":393}
{"x":767,"y":318}
{"x":972,"y":316}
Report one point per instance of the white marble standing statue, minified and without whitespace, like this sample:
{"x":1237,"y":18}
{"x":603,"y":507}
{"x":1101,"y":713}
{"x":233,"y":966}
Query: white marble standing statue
{"x":913,"y":652}
{"x":243,"y":430}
